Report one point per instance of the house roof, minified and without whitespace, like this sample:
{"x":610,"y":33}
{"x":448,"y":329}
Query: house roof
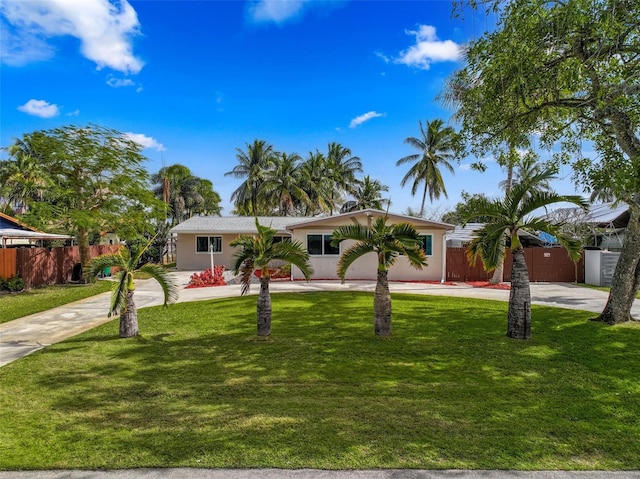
{"x":11,"y":228}
{"x":14,"y":233}
{"x":354,"y":215}
{"x":7,"y":221}
{"x":231,"y":224}
{"x":606,"y":215}
{"x":283,"y":224}
{"x":468,"y":232}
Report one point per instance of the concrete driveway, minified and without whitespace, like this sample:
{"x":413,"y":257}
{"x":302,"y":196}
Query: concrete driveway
{"x":31,"y":333}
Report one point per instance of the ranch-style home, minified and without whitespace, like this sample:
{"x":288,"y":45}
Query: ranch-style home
{"x":198,"y":236}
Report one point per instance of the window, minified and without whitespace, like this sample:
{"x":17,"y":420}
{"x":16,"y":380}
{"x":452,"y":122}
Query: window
{"x":427,"y":244}
{"x":280,"y":239}
{"x":204,"y":243}
{"x":321,"y":245}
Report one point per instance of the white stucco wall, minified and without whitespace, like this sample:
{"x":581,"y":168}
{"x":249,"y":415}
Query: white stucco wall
{"x":366,"y":267}
{"x":188,"y":260}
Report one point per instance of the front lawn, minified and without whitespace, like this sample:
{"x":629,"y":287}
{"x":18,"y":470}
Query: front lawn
{"x":18,"y":305}
{"x":448,"y":390}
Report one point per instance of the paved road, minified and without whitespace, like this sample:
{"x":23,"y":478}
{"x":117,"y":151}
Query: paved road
{"x":26,"y":335}
{"x":185,"y":473}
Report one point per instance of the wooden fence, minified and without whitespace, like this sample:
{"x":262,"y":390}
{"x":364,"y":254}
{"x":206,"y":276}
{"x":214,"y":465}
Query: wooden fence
{"x":45,"y":266}
{"x":544,"y":265}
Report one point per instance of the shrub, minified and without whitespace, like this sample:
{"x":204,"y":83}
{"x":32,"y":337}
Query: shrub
{"x":15,"y":284}
{"x":206,"y":278}
{"x":3,"y":285}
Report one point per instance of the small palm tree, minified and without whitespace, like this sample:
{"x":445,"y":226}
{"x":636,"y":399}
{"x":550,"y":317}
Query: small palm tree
{"x":256,"y":252}
{"x":506,"y":217}
{"x":122,"y":295}
{"x":387,"y":242}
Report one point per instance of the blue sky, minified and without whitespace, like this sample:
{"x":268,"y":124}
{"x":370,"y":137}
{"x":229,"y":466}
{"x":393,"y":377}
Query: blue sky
{"x":194,"y":80}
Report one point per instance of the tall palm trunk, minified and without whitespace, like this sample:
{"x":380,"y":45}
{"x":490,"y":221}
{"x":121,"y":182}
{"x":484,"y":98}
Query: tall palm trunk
{"x":519,"y":316}
{"x":382,"y":305}
{"x":129,"y":318}
{"x":626,"y":278}
{"x":264,"y":307}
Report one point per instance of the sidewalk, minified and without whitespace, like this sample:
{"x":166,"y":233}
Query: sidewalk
{"x":186,"y":473}
{"x":23,"y":336}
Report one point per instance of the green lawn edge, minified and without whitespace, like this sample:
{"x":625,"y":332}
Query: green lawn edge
{"x":447,"y":391}
{"x":18,"y":305}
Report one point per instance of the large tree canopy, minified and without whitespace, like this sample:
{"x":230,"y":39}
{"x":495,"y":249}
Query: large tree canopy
{"x":95,"y":181}
{"x":556,"y":74}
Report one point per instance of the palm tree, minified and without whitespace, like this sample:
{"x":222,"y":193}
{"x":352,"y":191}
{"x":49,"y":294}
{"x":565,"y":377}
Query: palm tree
{"x":367,"y":194}
{"x":122,"y":295}
{"x":282,"y":187}
{"x":436,"y":149}
{"x":317,"y":185}
{"x":255,"y":254}
{"x":506,"y":217}
{"x":387,"y":242}
{"x":252,"y":167}
{"x":23,"y":180}
{"x":341,"y":169}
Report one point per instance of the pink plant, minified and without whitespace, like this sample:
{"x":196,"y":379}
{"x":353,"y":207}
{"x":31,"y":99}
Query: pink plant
{"x":206,"y":278}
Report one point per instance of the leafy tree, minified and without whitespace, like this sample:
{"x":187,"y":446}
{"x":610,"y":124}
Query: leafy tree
{"x":252,"y":166}
{"x":184,"y":193}
{"x":387,"y":242}
{"x":367,"y":194}
{"x":95,"y":181}
{"x":568,"y":71}
{"x":282,"y":188}
{"x":255,"y":254}
{"x":436,"y":147}
{"x":466,"y":211}
{"x":507,"y":216}
{"x":123,"y":288}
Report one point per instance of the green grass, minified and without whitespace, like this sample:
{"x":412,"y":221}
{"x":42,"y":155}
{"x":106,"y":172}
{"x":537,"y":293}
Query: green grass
{"x":448,"y":390}
{"x":18,"y":305}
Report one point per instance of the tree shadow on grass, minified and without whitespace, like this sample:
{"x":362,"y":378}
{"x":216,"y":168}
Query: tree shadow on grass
{"x":447,"y":390}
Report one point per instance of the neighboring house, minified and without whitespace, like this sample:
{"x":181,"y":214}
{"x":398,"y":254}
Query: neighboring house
{"x":462,"y":236}
{"x":196,"y":236}
{"x":15,"y":233}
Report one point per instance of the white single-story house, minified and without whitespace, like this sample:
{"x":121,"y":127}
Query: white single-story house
{"x":198,"y":236}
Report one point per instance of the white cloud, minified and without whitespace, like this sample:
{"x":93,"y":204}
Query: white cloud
{"x":145,"y":141}
{"x":464,"y":167}
{"x":359,"y":120}
{"x":282,"y":11}
{"x":74,"y":113}
{"x":40,"y":108}
{"x":103,"y":28}
{"x":276,"y":11}
{"x":428,"y":49}
{"x":119,"y":82}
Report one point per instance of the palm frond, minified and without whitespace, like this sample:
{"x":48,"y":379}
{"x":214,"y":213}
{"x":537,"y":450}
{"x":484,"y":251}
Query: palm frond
{"x":355,"y":232}
{"x":99,"y":264}
{"x":164,"y":279}
{"x":246,"y":272}
{"x":350,"y":255}
{"x":119,"y":294}
{"x":295,"y":253}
